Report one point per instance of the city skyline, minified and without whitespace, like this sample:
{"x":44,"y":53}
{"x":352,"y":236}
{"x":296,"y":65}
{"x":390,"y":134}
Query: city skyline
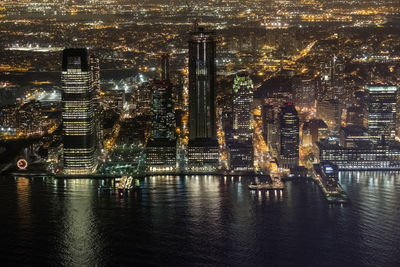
{"x":217,"y":133}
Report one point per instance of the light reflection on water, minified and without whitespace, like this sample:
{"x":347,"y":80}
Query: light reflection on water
{"x":203,"y":219}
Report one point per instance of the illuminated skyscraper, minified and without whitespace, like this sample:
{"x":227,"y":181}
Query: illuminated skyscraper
{"x":161,"y":147}
{"x":162,"y":110}
{"x":338,"y":77}
{"x":304,"y":92}
{"x":203,"y":149}
{"x":77,"y":113}
{"x":289,"y":132}
{"x":382,"y":101}
{"x":165,"y":67}
{"x":242,"y":107}
{"x":332,"y":79}
{"x":202,"y":75}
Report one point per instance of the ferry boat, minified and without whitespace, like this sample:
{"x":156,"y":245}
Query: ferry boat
{"x":123,"y":183}
{"x":276,"y":184}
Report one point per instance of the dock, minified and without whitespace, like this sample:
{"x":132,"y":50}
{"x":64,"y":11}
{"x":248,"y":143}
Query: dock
{"x":339,"y":196}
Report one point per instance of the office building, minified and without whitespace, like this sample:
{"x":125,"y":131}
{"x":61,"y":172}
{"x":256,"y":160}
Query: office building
{"x":241,"y":156}
{"x":161,"y":155}
{"x":203,"y":149}
{"x":242,"y":107}
{"x":351,"y":135}
{"x":330,"y":111}
{"x":202,"y":75}
{"x":381,"y":111}
{"x":365,"y":155}
{"x":332,"y":79}
{"x":161,"y":147}
{"x":317,"y":128}
{"x":165,"y":67}
{"x":289,"y":136}
{"x":163,"y":123}
{"x":203,"y":155}
{"x":142,"y":98}
{"x":355,"y":115}
{"x":304,"y":92}
{"x":77,"y":113}
{"x":338,"y":78}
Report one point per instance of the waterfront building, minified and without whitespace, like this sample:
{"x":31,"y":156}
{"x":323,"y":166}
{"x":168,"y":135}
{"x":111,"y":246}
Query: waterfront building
{"x":242,"y":107}
{"x":364,"y":156}
{"x":77,"y":113}
{"x":161,"y":147}
{"x":161,"y":155}
{"x":202,"y":75}
{"x":289,"y":136}
{"x":241,"y":156}
{"x":203,"y":149}
{"x":381,"y":110}
{"x":203,"y":155}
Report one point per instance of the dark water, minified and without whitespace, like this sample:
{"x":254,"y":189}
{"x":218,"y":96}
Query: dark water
{"x":199,"y":221}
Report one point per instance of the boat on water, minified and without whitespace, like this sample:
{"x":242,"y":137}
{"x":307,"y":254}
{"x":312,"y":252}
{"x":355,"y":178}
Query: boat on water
{"x":123,"y":183}
{"x":276,"y":184}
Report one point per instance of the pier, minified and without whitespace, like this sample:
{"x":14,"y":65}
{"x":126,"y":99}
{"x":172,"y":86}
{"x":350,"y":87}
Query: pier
{"x":325,"y":175}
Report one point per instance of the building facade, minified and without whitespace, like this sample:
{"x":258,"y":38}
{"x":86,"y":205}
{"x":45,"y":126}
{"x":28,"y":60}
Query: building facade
{"x":203,"y":148}
{"x":77,"y":114}
{"x":242,"y":107}
{"x":289,"y":136}
{"x":381,"y":111}
{"x":202,"y":81}
{"x":163,"y":125}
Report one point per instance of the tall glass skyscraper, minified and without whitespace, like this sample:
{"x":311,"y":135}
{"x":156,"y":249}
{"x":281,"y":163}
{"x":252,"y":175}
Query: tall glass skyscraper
{"x":203,"y":149}
{"x":382,"y":102}
{"x":77,"y":113}
{"x":163,"y":125}
{"x":242,"y":106}
{"x":202,"y":80}
{"x":161,"y":147}
{"x":289,"y":132}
